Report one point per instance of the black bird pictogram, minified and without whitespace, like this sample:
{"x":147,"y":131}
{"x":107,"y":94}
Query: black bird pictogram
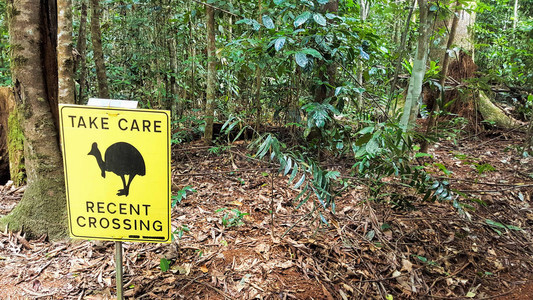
{"x":122,"y":159}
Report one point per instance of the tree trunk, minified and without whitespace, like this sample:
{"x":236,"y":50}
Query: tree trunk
{"x":495,"y":115}
{"x":410,"y":110}
{"x":82,"y":47}
{"x":401,"y":52}
{"x":327,"y":69}
{"x":363,"y":13}
{"x":258,"y":78}
{"x":174,"y":99}
{"x":432,"y":119}
{"x":42,"y":209}
{"x":515,"y":14}
{"x":211,"y":75}
{"x":96,"y":37}
{"x":64,"y":52}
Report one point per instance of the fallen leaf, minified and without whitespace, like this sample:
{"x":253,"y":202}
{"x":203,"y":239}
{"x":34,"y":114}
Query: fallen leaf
{"x":406,"y":265}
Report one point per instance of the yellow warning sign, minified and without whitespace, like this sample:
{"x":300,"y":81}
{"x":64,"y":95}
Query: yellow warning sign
{"x":117,"y":173}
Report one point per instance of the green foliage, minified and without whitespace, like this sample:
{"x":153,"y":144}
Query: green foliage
{"x":503,"y":53}
{"x":181,"y":194}
{"x":181,"y":231}
{"x":496,"y":226}
{"x":231,"y":218}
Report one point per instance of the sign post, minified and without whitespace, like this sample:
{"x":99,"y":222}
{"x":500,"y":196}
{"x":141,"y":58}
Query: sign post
{"x":117,"y":175}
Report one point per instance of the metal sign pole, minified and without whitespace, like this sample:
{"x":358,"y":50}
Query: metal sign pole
{"x":118,"y":269}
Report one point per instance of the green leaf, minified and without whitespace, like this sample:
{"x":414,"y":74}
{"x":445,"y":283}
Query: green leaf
{"x":372,"y":147}
{"x":495,"y":224}
{"x":319,"y":19}
{"x":333,"y":174}
{"x":322,"y":2}
{"x":313,"y":52}
{"x":301,"y":59}
{"x":300,"y":182}
{"x":164,"y":264}
{"x":288,"y":166}
{"x":279,"y":43}
{"x":302,"y":18}
{"x":366,"y":130}
{"x":278,"y":2}
{"x":267,"y":21}
{"x":293,"y":173}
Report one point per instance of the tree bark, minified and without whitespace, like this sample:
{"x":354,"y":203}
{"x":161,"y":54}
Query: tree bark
{"x":363,"y":13}
{"x":327,"y":69}
{"x":432,"y":119}
{"x":64,"y":52}
{"x":82,"y":47}
{"x":174,"y":99}
{"x":410,"y":110}
{"x":96,"y":37}
{"x":6,"y":107}
{"x":42,"y":209}
{"x":258,"y":78}
{"x":211,"y":75}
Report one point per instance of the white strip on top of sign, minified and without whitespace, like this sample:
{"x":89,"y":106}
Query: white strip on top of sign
{"x":131,"y":104}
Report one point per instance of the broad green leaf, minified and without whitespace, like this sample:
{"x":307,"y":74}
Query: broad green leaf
{"x":245,"y":21}
{"x":366,"y":130}
{"x":372,"y":147}
{"x":322,"y":1}
{"x":278,"y":2}
{"x":279,"y":43}
{"x":302,"y":18}
{"x":301,"y":59}
{"x":267,"y":21}
{"x":164,"y":264}
{"x":319,"y":19}
{"x":313,"y":52}
{"x":338,"y":90}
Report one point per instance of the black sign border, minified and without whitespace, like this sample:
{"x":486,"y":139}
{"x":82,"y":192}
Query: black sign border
{"x":169,"y":212}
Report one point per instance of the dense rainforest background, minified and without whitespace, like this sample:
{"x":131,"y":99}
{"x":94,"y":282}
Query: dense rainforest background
{"x":322,"y":149}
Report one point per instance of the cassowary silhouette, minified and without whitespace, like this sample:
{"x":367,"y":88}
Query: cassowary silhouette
{"x":122,"y":159}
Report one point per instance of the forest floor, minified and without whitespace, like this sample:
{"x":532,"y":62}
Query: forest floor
{"x":368,"y":250}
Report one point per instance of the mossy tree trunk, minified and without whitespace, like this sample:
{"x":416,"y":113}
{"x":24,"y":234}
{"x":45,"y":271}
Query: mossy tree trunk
{"x":65,"y":47}
{"x":42,"y":209}
{"x":6,"y":107}
{"x":411,"y":106}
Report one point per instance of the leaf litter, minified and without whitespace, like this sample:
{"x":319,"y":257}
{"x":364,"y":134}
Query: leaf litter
{"x":245,"y":239}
